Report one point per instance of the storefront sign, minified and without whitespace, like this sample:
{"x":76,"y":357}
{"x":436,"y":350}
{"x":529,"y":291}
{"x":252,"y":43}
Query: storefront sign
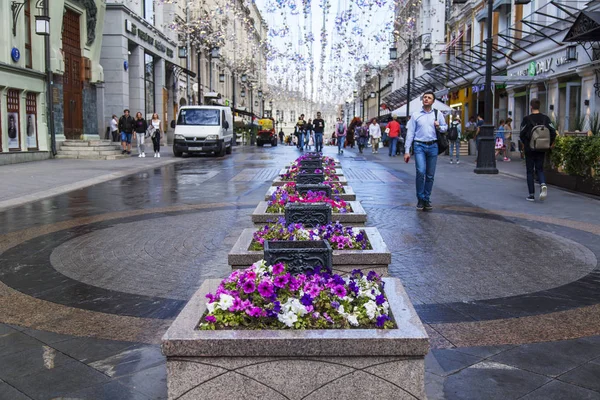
{"x":553,"y":63}
{"x":133,"y":29}
{"x":481,"y":88}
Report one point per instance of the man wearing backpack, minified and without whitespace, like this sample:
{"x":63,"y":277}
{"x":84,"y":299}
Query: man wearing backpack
{"x":537,"y":136}
{"x":340,"y":134}
{"x":454,"y":135}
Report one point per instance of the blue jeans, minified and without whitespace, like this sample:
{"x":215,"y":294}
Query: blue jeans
{"x":425,"y":162}
{"x":453,"y":144}
{"x":393,"y":144}
{"x":341,"y":140}
{"x":318,"y":141}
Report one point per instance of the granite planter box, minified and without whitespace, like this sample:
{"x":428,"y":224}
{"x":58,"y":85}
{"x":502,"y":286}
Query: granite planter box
{"x":344,"y":261}
{"x":278,"y":182}
{"x":349,"y":194}
{"x":357,"y":217}
{"x":338,"y":171}
{"x":300,"y":256}
{"x":309,"y":214}
{"x":296,"y":364}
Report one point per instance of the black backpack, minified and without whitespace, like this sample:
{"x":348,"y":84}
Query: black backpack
{"x":442,"y":139}
{"x":453,"y":132}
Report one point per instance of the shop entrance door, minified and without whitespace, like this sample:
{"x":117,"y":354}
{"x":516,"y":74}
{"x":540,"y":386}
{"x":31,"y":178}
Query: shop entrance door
{"x":572,"y":114}
{"x":72,"y":84}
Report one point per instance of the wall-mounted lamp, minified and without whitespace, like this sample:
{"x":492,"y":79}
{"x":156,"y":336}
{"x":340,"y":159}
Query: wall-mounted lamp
{"x":182,"y":52}
{"x":372,"y":95}
{"x":586,"y":103}
{"x":259,"y":93}
{"x":354,"y":93}
{"x":243,"y":93}
{"x":244,"y":77}
{"x":391,"y":78}
{"x":271,"y":105}
{"x":510,"y":113}
{"x":427,"y":55}
{"x":42,"y":25}
{"x":551,"y":107}
{"x":221,"y":77}
{"x":571,"y":53}
{"x":215,"y":52}
{"x":393,"y":53}
{"x":256,"y":104}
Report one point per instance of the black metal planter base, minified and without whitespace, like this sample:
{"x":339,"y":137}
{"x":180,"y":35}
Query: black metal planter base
{"x":311,"y":164}
{"x":299,"y":256}
{"x":308,"y":178}
{"x":309,"y":215}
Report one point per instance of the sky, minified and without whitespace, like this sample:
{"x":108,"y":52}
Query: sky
{"x":319,"y":46}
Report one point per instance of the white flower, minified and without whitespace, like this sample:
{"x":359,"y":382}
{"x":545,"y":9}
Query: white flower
{"x":386,"y":307}
{"x":302,"y":233}
{"x":288,"y":318}
{"x":210,"y":307}
{"x":225,"y":302}
{"x":297,"y":307}
{"x":341,"y":310}
{"x":260,"y":266}
{"x":371,"y":308}
{"x":352,"y":319}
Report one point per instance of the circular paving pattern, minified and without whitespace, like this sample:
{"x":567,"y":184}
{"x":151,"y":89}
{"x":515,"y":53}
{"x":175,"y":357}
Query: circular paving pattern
{"x":164,"y":257}
{"x":453,"y":257}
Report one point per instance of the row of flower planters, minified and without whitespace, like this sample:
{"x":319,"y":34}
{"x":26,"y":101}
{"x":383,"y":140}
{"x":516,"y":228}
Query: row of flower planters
{"x":280,"y":182}
{"x":348,"y":194}
{"x":356,"y":360}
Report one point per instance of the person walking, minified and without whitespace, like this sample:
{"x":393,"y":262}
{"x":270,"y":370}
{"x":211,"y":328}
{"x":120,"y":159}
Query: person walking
{"x":362,"y":134}
{"x":340,"y":133}
{"x":375,"y":134}
{"x":114,"y":128}
{"x":499,"y":138}
{"x":281,"y":135}
{"x":454,"y":135}
{"x":422,"y":129}
{"x":140,"y":127}
{"x":155,"y":134}
{"x":507,"y":138}
{"x":300,"y":128}
{"x":478,"y":125}
{"x":319,"y":127}
{"x":126,"y":123}
{"x":309,"y":134}
{"x":539,"y":127}
{"x":393,"y":132}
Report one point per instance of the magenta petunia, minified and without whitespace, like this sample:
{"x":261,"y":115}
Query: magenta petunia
{"x":281,"y":280}
{"x":211,"y":319}
{"x":249,"y":286}
{"x":254,"y":311}
{"x":278,"y":269}
{"x":265,"y":288}
{"x":339,"y":291}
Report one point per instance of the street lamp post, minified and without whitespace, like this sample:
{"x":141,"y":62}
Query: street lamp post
{"x":42,"y":25}
{"x":486,"y":161}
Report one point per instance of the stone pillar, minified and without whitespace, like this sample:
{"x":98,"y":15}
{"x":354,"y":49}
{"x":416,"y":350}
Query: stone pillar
{"x":100,"y":116}
{"x":137,"y":96}
{"x":160,"y":77}
{"x":116,"y":77}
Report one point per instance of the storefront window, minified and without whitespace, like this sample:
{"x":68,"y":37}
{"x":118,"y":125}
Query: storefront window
{"x":149,"y":83}
{"x":569,"y":107}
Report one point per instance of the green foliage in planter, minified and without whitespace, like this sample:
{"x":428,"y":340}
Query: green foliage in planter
{"x":577,"y":155}
{"x":595,"y":124}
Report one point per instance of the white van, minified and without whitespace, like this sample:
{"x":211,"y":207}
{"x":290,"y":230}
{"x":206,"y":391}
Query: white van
{"x":203,"y":129}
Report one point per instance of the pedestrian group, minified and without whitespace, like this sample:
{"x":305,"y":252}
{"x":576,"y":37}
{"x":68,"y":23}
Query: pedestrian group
{"x":137,"y":129}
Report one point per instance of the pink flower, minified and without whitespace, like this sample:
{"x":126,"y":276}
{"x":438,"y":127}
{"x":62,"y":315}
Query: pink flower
{"x":281,"y":280}
{"x":265,"y":288}
{"x":254,"y":311}
{"x":210,"y":319}
{"x":278,"y":269}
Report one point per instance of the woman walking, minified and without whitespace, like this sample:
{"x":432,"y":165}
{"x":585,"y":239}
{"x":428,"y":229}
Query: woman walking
{"x":114,"y":128}
{"x":139,"y":131}
{"x":507,"y":138}
{"x":500,"y":138}
{"x":156,"y":134}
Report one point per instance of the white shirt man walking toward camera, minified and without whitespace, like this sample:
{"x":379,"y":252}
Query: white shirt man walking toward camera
{"x":422,"y":129}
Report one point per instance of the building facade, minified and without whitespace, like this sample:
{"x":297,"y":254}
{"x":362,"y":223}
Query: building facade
{"x":75,"y":42}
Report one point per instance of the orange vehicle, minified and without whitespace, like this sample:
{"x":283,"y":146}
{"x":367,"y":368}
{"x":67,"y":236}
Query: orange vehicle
{"x":266,"y":132}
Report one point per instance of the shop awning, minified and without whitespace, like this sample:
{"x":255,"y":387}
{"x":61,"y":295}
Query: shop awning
{"x":499,"y":3}
{"x":586,"y":28}
{"x":453,"y":42}
{"x":178,"y":70}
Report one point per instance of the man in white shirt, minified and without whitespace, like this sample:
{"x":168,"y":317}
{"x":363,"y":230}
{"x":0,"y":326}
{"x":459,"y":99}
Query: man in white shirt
{"x":422,"y":129}
{"x":375,"y":133}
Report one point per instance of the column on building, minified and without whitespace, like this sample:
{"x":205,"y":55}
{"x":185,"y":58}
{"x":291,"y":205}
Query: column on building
{"x":115,"y":60}
{"x":137,"y":98}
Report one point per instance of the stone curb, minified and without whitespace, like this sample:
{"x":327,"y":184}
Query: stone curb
{"x":29,"y":198}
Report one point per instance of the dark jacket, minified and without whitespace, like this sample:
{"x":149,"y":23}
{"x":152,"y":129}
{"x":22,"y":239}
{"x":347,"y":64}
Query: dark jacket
{"x":529,"y":122}
{"x":126,"y":124}
{"x":140,"y":126}
{"x":308,"y":127}
{"x":319,"y":125}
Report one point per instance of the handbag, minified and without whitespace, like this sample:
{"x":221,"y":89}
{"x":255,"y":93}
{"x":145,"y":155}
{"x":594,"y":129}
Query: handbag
{"x":442,"y":139}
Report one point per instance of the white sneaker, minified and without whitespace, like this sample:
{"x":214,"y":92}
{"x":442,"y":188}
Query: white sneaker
{"x":451,"y":162}
{"x":140,"y":155}
{"x":155,"y":155}
{"x":543,"y":192}
{"x":158,"y":155}
{"x":458,"y":162}
{"x":143,"y":155}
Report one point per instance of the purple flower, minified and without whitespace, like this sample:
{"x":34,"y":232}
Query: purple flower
{"x":278,"y":268}
{"x":381,"y":320}
{"x":281,"y":280}
{"x":339,"y":291}
{"x":211,"y":319}
{"x":294,"y":284}
{"x":265,"y":288}
{"x":372,"y":275}
{"x":314,"y":290}
{"x":249,"y":286}
{"x":306,"y":300}
{"x":354,"y":287}
{"x":254,"y":311}
{"x":380,"y":299}
{"x":335,"y":305}
{"x":276,"y":306}
{"x":210,"y":297}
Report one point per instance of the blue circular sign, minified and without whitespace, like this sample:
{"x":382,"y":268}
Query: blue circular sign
{"x":15,"y":54}
{"x":125,"y":65}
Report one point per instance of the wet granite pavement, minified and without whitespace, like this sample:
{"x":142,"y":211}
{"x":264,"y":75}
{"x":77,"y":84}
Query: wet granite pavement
{"x":90,"y":279}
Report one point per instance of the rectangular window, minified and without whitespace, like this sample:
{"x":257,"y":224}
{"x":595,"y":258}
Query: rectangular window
{"x":149,"y":11}
{"x":199,"y":116}
{"x":149,"y":84}
{"x":292,"y":116}
{"x":31,"y":124}
{"x":28,"y":57}
{"x":14,"y":124}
